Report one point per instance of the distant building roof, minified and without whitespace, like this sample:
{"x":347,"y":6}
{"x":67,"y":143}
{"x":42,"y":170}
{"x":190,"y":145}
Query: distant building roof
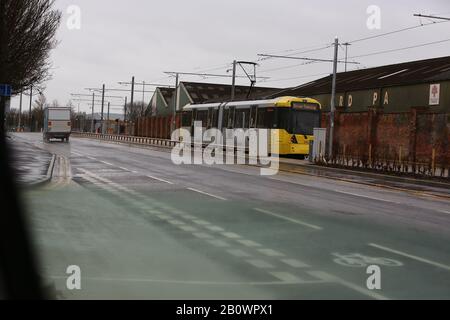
{"x":167,"y":93}
{"x":213,"y":92}
{"x":407,"y":73}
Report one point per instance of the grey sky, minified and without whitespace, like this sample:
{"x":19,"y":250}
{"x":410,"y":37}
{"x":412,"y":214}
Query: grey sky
{"x":119,"y":39}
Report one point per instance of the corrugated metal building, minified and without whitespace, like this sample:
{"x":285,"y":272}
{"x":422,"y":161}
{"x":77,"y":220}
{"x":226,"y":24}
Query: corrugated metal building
{"x":163,"y":103}
{"x":395,"y":88}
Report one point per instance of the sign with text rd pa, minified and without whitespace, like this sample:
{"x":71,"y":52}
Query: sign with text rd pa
{"x":5,"y":90}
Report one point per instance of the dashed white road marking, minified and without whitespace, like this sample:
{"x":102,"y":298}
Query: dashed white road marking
{"x":285,"y":276}
{"x":443,"y":211}
{"x":201,"y":222}
{"x":249,"y":243}
{"x":107,"y":163}
{"x":207,"y":194}
{"x":238,"y":253}
{"x":176,"y":222}
{"x":295,"y":263}
{"x":260,"y":264}
{"x":271,"y":252}
{"x":289,"y":219}
{"x":331,"y":278}
{"x":231,"y":235}
{"x":159,"y":179}
{"x":407,"y":255}
{"x":124,"y":169}
{"x":187,"y":228}
{"x":215,"y":228}
{"x":366,"y":197}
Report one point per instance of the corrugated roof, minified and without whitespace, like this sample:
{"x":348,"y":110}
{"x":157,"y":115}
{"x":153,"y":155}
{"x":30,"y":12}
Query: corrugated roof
{"x":407,"y":73}
{"x":166,"y":93}
{"x":213,"y":92}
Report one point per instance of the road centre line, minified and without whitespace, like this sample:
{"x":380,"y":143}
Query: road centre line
{"x":410,"y":256}
{"x":159,"y":179}
{"x":289,"y":219}
{"x":207,"y":194}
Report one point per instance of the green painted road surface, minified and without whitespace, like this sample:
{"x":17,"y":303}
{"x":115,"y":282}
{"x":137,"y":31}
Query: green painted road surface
{"x":140,"y":227}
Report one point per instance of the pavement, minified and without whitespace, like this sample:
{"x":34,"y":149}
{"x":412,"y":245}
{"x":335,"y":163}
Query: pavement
{"x":140,"y":227}
{"x":33,"y":164}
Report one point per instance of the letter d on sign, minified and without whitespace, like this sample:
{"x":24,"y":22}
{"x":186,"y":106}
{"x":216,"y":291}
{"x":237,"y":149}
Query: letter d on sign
{"x":374,"y":280}
{"x":73,"y":281}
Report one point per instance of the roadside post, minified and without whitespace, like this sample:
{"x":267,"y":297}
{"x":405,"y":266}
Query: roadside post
{"x":5,"y":102}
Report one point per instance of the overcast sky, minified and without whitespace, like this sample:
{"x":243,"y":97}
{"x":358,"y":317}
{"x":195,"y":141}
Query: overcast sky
{"x":119,"y":39}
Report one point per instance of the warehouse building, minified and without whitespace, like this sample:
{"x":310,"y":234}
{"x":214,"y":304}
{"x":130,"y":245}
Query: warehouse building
{"x":163,"y":100}
{"x":395,"y":88}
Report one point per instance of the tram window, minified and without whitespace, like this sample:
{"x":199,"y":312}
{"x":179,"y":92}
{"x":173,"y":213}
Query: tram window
{"x":265,"y":118}
{"x":225,"y":118}
{"x":202,"y":115}
{"x":245,"y":118}
{"x":231,"y":117}
{"x":212,"y":118}
{"x":253,"y":116}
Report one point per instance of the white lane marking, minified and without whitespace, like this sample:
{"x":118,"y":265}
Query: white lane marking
{"x":125,"y":169}
{"x":295,"y":263}
{"x":107,"y":163}
{"x":163,"y":217}
{"x":407,"y":255}
{"x":366,"y":197}
{"x":215,"y":228}
{"x":289,"y":219}
{"x":187,"y":228}
{"x":249,"y":243}
{"x":159,"y":179}
{"x":285,"y":276}
{"x":201,"y":222}
{"x":231,"y":235}
{"x":238,"y":253}
{"x":219,"y":243}
{"x":202,"y":235}
{"x":92,"y":158}
{"x":135,"y":172}
{"x":176,"y":222}
{"x":207,"y":194}
{"x":271,"y":252}
{"x":330,"y":278}
{"x":260,"y":264}
{"x":443,"y":211}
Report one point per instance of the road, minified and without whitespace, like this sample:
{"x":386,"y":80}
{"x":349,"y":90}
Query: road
{"x":140,"y":227}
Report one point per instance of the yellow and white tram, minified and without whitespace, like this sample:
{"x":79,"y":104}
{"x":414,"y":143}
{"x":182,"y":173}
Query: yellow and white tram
{"x":291,"y":119}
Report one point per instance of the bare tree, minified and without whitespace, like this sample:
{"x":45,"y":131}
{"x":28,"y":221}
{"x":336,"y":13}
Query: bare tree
{"x":135,"y":111}
{"x":27,"y":35}
{"x":37,"y":114}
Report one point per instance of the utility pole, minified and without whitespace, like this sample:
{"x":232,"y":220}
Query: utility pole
{"x":333,"y":98}
{"x":175,"y":105}
{"x":107,"y":118}
{"x":132,"y":92}
{"x":346,"y":54}
{"x":20,"y":111}
{"x":233,"y":82}
{"x":125,"y":116}
{"x":103,"y":105}
{"x":31,"y":102}
{"x":92,"y":118}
